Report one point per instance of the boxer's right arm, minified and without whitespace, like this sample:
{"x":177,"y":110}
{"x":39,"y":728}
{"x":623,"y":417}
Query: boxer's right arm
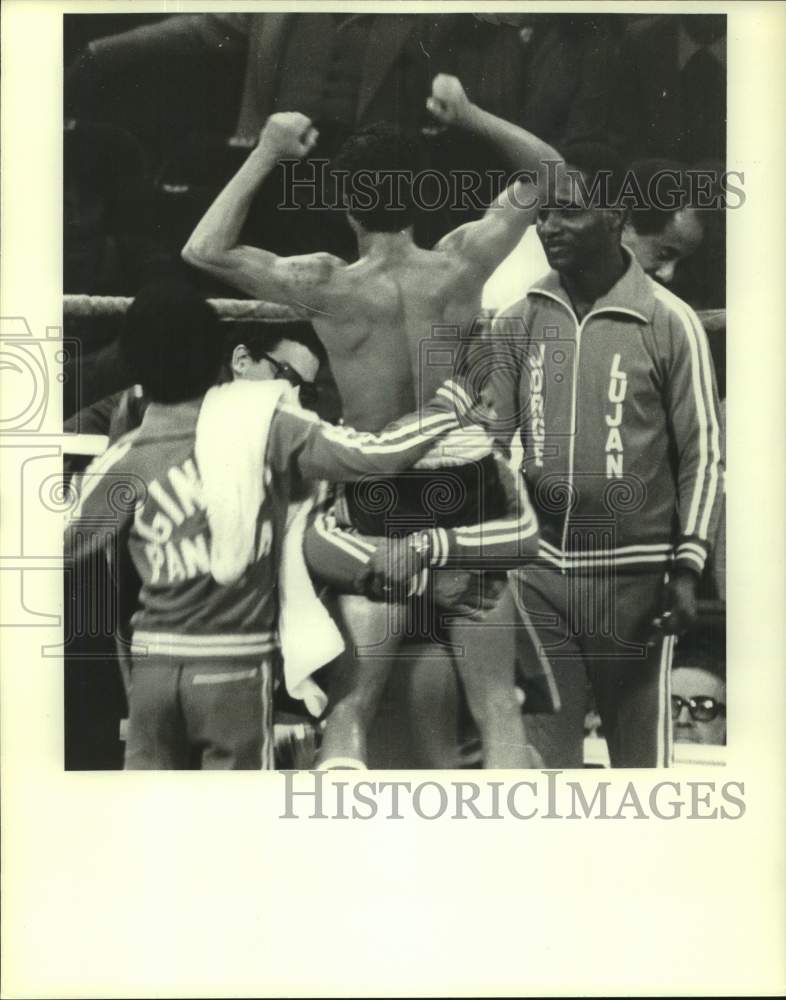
{"x":301,"y":282}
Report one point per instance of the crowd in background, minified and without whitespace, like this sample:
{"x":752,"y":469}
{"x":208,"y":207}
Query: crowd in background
{"x":159,"y":112}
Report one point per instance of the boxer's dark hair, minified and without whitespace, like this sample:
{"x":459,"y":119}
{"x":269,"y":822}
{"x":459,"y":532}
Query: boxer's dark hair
{"x":376,"y":161}
{"x":171,"y":342}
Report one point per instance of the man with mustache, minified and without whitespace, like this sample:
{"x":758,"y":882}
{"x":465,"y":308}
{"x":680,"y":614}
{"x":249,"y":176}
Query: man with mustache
{"x":609,"y":377}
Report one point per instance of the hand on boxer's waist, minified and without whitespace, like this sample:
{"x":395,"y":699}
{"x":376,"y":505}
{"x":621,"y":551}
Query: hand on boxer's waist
{"x":397,"y":569}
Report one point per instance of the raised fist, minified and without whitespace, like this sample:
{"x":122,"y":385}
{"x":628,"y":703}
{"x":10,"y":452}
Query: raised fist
{"x":288,"y":135}
{"x":448,"y":102}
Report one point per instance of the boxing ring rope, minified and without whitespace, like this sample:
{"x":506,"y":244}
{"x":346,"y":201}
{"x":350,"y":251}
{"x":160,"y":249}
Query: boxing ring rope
{"x":229,"y":310}
{"x":240,"y":310}
{"x":98,"y":306}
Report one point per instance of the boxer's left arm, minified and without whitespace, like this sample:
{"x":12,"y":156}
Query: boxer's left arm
{"x":523,"y":150}
{"x":301,"y":282}
{"x":487,"y":241}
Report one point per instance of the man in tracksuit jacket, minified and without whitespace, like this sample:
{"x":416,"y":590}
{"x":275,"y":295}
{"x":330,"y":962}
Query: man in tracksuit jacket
{"x":201,"y":679}
{"x":609,"y":378}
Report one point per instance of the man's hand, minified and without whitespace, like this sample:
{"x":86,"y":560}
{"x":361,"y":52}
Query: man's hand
{"x":679,"y":605}
{"x":287,"y":135}
{"x":393,"y":573}
{"x":449,"y":103}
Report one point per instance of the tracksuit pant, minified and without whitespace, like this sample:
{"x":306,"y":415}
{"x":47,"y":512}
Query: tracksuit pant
{"x":594,"y":629}
{"x":213,"y":713}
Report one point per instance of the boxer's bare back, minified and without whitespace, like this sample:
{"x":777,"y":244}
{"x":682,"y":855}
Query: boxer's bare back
{"x":380,"y":318}
{"x":381,"y":322}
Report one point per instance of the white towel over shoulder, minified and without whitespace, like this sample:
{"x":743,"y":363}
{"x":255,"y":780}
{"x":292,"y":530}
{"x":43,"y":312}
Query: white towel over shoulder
{"x":231,"y":443}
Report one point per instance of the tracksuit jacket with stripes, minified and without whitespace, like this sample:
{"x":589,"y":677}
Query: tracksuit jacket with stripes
{"x":618,"y":417}
{"x":147,"y":488}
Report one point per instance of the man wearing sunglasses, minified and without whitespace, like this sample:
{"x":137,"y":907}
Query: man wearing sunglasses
{"x":206,"y":536}
{"x":288,"y":350}
{"x":698,"y":704}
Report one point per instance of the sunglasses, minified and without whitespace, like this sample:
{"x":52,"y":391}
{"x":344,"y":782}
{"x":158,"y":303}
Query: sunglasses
{"x":701,"y":708}
{"x":282,"y":369}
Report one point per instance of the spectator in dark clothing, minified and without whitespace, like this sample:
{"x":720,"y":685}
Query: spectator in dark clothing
{"x":346,"y":70}
{"x":674,"y":71}
{"x":342,"y":70}
{"x":106,"y":209}
{"x":675,"y":87}
{"x":572,"y":73}
{"x":701,"y":277}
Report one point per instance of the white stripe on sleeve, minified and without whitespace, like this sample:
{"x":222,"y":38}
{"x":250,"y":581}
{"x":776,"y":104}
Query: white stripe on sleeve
{"x":701,"y":381}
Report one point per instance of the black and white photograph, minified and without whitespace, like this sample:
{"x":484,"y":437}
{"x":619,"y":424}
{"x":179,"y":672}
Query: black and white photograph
{"x":393,"y":221}
{"x":364,"y":429}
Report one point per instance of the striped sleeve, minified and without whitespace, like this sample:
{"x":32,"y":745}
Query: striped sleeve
{"x":500,"y":544}
{"x":104,"y":498}
{"x":693,"y":412}
{"x":340,"y":454}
